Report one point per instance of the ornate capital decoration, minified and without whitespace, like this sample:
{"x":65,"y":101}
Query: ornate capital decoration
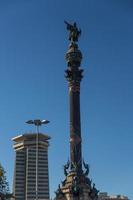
{"x":73,"y":56}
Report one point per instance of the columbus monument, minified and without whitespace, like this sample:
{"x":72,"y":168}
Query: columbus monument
{"x":77,"y":184}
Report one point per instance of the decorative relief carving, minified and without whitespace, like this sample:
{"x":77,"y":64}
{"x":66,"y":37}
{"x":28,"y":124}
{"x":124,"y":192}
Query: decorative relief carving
{"x":74,"y":76}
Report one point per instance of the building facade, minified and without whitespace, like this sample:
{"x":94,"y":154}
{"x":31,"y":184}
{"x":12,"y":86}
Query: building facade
{"x":105,"y":196}
{"x":31,"y":180}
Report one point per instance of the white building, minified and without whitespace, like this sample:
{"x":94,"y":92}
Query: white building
{"x":31,"y":180}
{"x":105,"y":196}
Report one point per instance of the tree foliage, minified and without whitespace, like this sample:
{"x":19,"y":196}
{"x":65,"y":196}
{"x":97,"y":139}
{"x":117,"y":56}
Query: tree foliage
{"x":4,"y":186}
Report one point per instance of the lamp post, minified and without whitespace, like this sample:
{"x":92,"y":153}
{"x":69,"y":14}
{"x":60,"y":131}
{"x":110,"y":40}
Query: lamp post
{"x":37,"y":123}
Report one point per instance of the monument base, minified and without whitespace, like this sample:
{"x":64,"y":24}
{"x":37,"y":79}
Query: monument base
{"x":76,"y":187}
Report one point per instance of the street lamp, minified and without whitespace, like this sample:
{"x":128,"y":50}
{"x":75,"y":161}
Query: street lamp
{"x":37,"y":123}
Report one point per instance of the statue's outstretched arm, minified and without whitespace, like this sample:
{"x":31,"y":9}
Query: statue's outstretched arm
{"x":69,"y":26}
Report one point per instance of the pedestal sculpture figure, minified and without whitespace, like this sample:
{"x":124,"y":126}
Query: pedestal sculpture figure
{"x":77,"y":184}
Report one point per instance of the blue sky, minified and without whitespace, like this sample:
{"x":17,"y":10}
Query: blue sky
{"x":33,"y":42}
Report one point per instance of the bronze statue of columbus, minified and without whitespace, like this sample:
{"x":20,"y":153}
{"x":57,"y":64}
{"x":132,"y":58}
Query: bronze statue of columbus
{"x":74,"y":31}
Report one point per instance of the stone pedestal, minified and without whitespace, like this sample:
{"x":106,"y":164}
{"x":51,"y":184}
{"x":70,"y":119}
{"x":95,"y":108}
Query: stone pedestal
{"x":76,"y":187}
